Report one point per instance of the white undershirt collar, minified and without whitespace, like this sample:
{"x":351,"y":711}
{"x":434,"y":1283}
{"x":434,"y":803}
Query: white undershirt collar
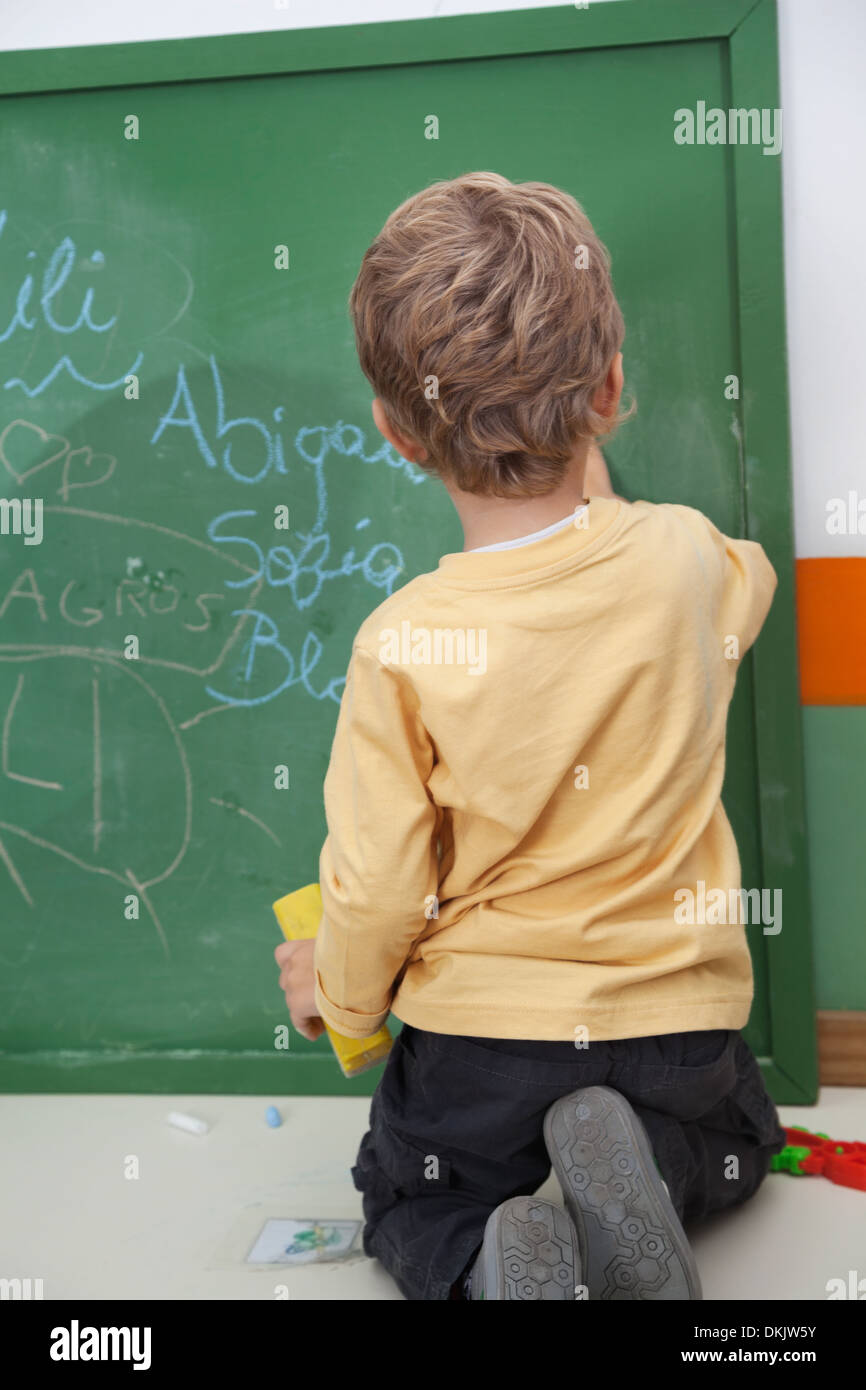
{"x":535,"y":536}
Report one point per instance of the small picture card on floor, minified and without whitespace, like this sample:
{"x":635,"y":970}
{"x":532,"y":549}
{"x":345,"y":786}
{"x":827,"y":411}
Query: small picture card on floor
{"x":303,"y":1241}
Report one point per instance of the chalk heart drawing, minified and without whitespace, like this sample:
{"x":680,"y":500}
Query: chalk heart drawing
{"x":16,"y":433}
{"x":81,"y":460}
{"x":77,"y":463}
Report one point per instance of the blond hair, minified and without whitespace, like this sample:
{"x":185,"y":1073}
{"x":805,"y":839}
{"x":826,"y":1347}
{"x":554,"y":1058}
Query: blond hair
{"x":485,"y":320}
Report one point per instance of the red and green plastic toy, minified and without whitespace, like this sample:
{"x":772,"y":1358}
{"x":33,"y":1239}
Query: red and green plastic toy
{"x":841,"y":1162}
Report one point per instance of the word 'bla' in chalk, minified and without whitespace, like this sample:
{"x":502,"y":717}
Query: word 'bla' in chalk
{"x":187,"y":1122}
{"x":272,"y":1115}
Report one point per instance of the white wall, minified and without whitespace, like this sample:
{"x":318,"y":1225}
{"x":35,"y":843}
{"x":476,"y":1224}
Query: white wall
{"x":57,"y":24}
{"x":822,"y":48}
{"x":822,"y":59}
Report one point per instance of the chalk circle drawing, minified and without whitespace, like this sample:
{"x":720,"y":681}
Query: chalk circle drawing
{"x":117,"y":849}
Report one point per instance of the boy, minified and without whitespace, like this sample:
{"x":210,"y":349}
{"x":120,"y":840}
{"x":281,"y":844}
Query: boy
{"x":525,"y":776}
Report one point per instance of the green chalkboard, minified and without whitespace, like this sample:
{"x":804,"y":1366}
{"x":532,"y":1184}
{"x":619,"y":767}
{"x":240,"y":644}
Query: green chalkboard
{"x":219,"y":514}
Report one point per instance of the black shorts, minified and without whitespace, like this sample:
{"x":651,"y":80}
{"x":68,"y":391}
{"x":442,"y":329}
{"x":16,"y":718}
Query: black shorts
{"x":456,"y":1129}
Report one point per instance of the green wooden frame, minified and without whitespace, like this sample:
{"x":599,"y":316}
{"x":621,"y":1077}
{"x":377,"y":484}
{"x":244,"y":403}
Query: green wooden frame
{"x":748,"y":29}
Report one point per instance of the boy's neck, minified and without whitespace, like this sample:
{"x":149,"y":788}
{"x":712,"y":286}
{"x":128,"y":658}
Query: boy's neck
{"x":489,"y":520}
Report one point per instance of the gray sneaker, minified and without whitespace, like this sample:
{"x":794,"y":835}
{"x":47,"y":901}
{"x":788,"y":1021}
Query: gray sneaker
{"x":529,"y":1252}
{"x":630,"y":1241}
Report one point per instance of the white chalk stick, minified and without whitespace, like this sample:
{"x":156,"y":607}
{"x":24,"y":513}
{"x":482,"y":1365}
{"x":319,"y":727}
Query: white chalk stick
{"x":187,"y":1122}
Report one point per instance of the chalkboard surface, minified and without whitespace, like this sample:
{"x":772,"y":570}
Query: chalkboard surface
{"x":178,"y":385}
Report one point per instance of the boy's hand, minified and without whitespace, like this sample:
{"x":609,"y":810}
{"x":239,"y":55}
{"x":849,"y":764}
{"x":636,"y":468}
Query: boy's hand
{"x":298,"y":983}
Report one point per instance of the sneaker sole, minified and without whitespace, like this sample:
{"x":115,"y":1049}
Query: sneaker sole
{"x":630,"y":1241}
{"x":529,"y":1253}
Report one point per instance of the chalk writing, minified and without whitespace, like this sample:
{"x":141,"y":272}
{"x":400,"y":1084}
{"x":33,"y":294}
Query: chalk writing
{"x":216,"y":638}
{"x":305,"y":574}
{"x":265,"y":638}
{"x":54,"y":277}
{"x":268,"y":455}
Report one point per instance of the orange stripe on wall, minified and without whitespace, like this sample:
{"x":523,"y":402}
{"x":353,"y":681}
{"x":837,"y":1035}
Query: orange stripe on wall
{"x":831,"y":617}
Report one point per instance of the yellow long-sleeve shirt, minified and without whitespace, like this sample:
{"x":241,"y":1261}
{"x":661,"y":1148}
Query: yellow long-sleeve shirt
{"x":506,"y":835}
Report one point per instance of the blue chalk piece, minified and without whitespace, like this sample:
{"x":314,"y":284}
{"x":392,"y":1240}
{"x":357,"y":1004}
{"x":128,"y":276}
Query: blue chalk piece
{"x":272,"y":1115}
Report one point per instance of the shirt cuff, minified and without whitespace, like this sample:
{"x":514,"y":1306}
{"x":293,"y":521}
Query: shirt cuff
{"x":347,"y":1022}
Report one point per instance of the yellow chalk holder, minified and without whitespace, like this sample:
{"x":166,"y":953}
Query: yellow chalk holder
{"x":299,"y":915}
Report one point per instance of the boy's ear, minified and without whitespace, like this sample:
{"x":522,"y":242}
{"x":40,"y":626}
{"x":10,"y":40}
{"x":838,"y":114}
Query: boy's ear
{"x":607,"y":397}
{"x":406,"y":448}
